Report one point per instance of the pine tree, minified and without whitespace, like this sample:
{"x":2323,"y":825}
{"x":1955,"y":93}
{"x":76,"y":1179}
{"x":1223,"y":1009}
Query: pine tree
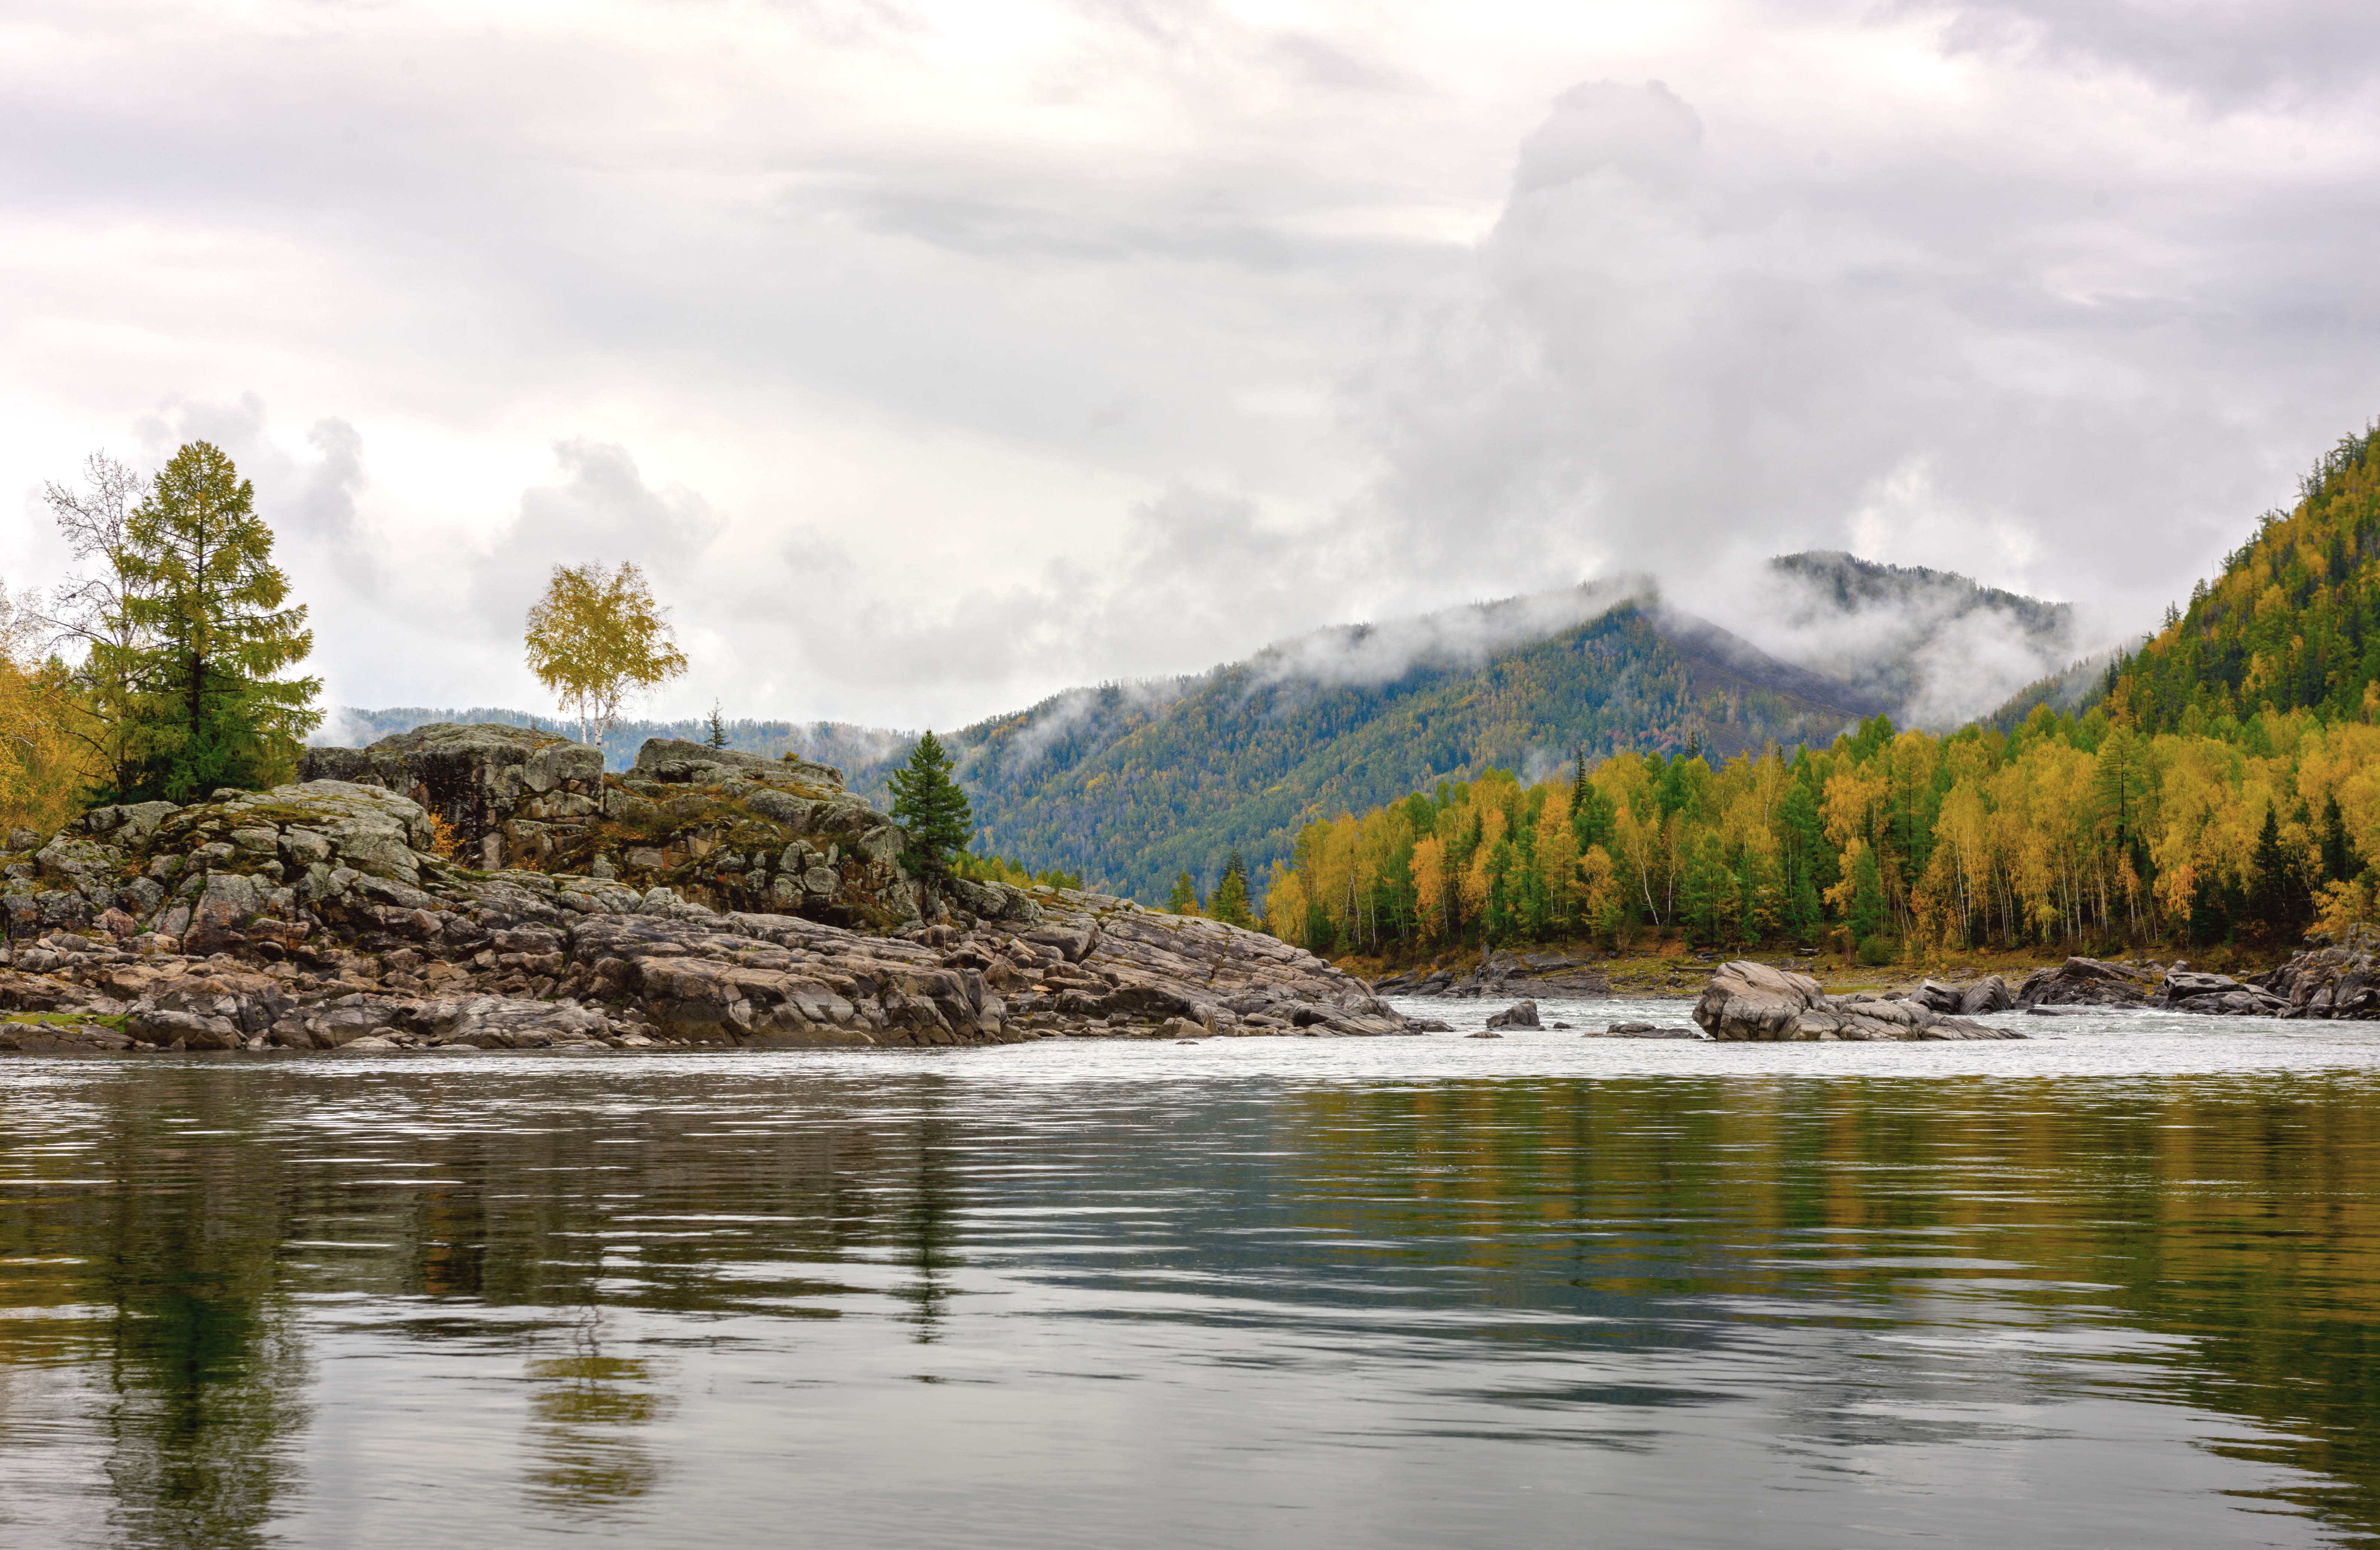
{"x":2277,"y":899}
{"x":1229,"y":902}
{"x":1868,"y":911}
{"x":928,"y":804}
{"x":2339,"y":862}
{"x":211,"y":632}
{"x":717,"y":737}
{"x":1184,"y":899}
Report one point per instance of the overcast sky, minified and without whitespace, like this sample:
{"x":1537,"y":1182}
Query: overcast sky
{"x":931,"y":356}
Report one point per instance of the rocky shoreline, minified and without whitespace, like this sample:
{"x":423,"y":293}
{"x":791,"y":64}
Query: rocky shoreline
{"x":718,"y":900}
{"x":2327,"y":983}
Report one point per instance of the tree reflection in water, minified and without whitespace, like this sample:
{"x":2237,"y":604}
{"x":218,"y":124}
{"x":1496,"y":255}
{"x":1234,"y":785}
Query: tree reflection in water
{"x":204,"y":1365}
{"x":202,"y":1245}
{"x":586,"y":1412}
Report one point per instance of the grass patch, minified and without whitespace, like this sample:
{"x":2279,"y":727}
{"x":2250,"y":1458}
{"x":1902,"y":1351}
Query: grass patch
{"x":66,"y":1019}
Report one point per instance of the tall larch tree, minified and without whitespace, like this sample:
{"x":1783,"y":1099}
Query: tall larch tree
{"x":212,"y":630}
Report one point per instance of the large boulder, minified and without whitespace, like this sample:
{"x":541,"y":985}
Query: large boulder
{"x":2090,"y":981}
{"x":479,"y":780}
{"x":2185,"y":990}
{"x":1752,"y":1002}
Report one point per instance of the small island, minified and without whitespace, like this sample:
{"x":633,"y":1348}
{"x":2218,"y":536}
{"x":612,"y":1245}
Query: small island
{"x":491,"y":888}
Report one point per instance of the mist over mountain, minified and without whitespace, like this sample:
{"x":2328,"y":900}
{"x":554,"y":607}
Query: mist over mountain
{"x":1938,"y":648}
{"x":1129,"y":784}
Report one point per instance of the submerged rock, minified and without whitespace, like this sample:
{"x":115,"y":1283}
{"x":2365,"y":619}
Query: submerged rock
{"x":1747,"y":1001}
{"x":1641,"y":1030}
{"x":1499,"y":973}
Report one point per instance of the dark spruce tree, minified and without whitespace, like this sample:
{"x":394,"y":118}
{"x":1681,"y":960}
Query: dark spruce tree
{"x":717,"y":735}
{"x":214,"y":631}
{"x":1228,"y":903}
{"x":928,"y":804}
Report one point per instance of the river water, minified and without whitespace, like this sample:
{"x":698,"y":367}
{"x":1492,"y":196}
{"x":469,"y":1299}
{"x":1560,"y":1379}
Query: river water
{"x":2116,"y":1285}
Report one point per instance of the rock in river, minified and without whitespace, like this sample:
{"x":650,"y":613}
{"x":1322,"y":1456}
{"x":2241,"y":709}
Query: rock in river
{"x":1747,"y":1001}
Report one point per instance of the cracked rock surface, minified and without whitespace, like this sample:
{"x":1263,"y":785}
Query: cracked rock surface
{"x":1747,"y":1001}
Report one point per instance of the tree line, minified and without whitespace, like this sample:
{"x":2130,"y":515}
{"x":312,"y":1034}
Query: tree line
{"x":2225,"y":786}
{"x":2071,"y":832}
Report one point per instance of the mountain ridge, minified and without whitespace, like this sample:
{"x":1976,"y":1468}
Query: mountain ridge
{"x":1130,"y":783}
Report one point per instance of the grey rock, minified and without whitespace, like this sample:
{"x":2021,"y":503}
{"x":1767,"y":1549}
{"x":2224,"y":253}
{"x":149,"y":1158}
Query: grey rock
{"x":1748,"y":1001}
{"x":1985,"y":997}
{"x":2089,"y":982}
{"x":164,"y":1028}
{"x":1520,"y":1014}
{"x":1641,"y":1030}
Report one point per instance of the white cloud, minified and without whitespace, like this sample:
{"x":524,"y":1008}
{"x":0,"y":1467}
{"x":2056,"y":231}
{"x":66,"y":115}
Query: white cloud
{"x":935,"y":356}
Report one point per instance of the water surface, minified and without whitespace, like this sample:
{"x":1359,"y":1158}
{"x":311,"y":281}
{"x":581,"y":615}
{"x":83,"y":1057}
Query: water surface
{"x":2114,"y":1286}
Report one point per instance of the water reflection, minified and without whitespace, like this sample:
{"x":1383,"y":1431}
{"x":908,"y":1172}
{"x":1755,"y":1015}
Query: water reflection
{"x":683,"y":1302}
{"x":587,"y":1414}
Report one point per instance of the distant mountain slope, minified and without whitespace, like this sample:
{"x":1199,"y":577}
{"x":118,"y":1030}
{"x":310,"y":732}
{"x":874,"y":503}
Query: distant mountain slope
{"x":829,"y":742}
{"x":2072,"y":693}
{"x":1936,"y":647}
{"x":1130,"y":785}
{"x":2293,"y":620}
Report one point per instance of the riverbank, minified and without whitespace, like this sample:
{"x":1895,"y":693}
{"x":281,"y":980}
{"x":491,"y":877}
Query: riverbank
{"x":1677,"y":969}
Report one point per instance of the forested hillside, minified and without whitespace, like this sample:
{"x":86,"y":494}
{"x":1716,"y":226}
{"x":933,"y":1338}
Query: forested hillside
{"x":2224,"y":788}
{"x":1131,"y":785}
{"x":2293,"y":620}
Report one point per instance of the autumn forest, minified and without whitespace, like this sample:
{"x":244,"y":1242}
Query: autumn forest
{"x":2224,"y":788}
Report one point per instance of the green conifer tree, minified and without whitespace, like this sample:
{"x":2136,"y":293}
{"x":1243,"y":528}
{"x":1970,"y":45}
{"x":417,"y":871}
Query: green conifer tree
{"x":2339,"y":861}
{"x":1184,"y":899}
{"x":1868,"y":911}
{"x":928,"y":804}
{"x":2278,"y":899}
{"x":213,"y":631}
{"x":1228,"y":903}
{"x":717,"y":735}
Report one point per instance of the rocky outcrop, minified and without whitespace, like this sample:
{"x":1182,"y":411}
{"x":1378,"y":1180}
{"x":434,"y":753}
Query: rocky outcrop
{"x":727,"y":830}
{"x":2326,"y":982}
{"x":320,"y":916}
{"x":1985,"y":997}
{"x":509,"y":796}
{"x":1499,"y":974}
{"x":2183,"y":990}
{"x":2089,"y":982}
{"x":2331,"y":983}
{"x":1520,"y":1014}
{"x":1748,"y":1001}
